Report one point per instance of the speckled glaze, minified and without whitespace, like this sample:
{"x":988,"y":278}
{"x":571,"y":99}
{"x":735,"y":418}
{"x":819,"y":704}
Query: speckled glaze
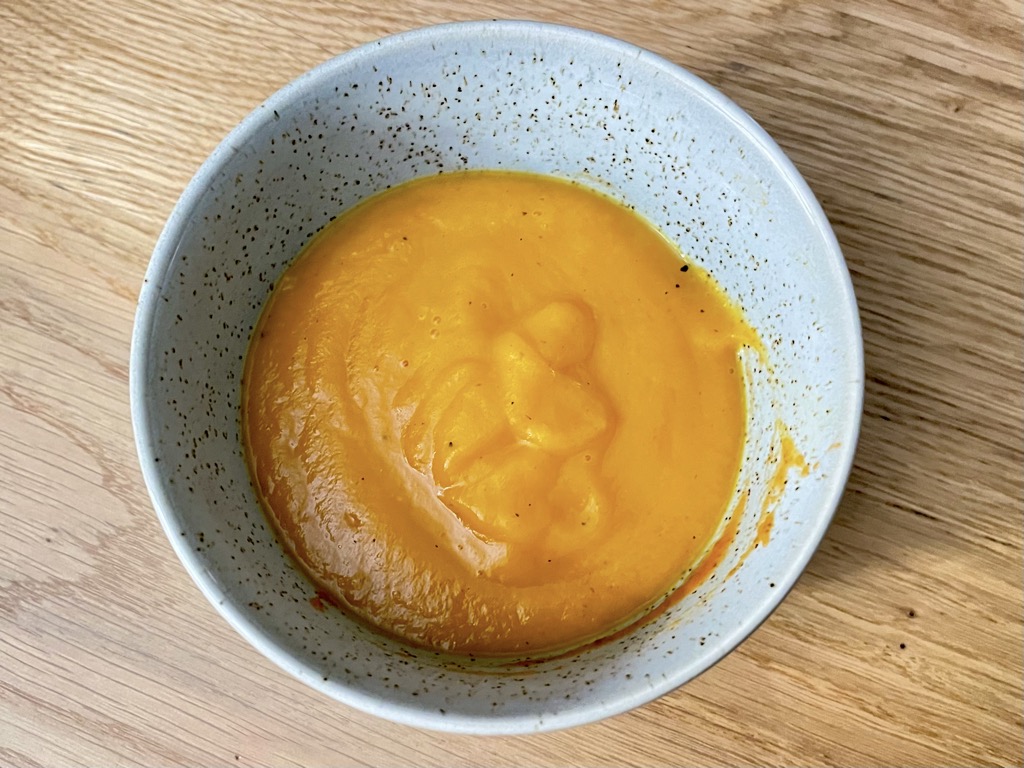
{"x":489,"y":95}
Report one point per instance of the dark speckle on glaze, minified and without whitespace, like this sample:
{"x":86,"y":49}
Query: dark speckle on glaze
{"x":529,"y":98}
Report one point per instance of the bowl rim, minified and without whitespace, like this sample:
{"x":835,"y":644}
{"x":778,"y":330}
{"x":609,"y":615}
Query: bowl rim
{"x":164,"y":254}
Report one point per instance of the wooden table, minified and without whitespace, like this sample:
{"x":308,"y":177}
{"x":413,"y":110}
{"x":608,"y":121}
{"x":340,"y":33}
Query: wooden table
{"x":902,"y":644}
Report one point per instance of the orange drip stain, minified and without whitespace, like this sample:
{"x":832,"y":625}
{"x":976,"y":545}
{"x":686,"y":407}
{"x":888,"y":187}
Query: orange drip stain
{"x":764,"y":529}
{"x":321,"y":600}
{"x":786,"y":457}
{"x":709,"y":564}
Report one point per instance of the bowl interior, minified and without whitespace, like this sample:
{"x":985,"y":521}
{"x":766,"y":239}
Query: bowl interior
{"x":490,"y":95}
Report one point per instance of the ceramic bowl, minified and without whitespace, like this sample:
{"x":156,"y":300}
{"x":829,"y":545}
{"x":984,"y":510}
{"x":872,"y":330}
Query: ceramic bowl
{"x":512,"y":95}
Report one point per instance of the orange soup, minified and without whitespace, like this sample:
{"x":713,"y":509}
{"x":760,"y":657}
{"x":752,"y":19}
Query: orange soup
{"x":495,"y":413}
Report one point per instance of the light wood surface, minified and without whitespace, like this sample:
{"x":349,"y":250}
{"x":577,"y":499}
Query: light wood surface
{"x":902,"y":644}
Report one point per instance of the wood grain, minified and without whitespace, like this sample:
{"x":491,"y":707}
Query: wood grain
{"x":902,"y":645}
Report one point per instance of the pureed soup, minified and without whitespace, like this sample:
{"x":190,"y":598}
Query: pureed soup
{"x":495,"y":413}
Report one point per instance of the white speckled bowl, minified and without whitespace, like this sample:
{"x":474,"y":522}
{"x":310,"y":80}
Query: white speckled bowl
{"x":490,"y":95}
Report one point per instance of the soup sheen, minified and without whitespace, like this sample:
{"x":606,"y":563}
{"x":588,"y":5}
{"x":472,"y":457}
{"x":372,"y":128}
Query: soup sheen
{"x":495,"y":413}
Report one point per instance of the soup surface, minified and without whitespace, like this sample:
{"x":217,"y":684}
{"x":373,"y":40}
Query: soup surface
{"x":495,"y":413}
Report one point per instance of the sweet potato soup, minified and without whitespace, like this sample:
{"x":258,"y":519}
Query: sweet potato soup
{"x":495,"y":413}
